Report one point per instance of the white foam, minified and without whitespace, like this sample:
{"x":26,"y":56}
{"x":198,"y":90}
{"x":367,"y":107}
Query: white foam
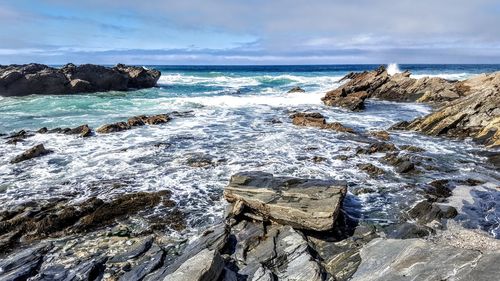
{"x":228,"y":101}
{"x":448,"y":76}
{"x":393,"y":68}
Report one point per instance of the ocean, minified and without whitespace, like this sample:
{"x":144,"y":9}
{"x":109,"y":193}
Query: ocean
{"x":235,"y":117}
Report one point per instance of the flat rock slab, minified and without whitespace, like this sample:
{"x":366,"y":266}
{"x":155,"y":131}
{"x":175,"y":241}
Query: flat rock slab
{"x":418,"y":259}
{"x":301,"y":203}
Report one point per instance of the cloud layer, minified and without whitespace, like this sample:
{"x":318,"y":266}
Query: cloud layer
{"x":250,"y":31}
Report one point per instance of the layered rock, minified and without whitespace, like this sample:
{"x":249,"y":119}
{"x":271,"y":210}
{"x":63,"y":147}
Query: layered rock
{"x":398,"y":87}
{"x":21,"y":80}
{"x":476,"y":115}
{"x":315,"y":119}
{"x":303,"y":204}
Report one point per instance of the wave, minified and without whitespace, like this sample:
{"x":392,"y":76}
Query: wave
{"x":393,"y":68}
{"x":273,"y":100}
{"x":241,"y":81}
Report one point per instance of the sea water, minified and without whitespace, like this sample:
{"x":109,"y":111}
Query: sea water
{"x":237,"y":116}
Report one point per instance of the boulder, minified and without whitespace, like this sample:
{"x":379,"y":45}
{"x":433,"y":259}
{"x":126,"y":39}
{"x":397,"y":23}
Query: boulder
{"x":301,"y":203}
{"x":34,"y":152}
{"x":371,"y":169}
{"x":296,"y":90}
{"x":315,"y":119}
{"x":425,"y":212}
{"x":112,"y":128}
{"x":21,"y":80}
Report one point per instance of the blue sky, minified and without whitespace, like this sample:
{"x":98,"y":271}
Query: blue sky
{"x":250,"y":31}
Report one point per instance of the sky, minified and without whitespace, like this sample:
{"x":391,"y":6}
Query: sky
{"x":249,"y":31}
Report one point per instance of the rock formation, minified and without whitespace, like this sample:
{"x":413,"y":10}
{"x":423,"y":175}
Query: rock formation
{"x":315,"y":119}
{"x":398,"y":87}
{"x":21,"y":80}
{"x":476,"y":115}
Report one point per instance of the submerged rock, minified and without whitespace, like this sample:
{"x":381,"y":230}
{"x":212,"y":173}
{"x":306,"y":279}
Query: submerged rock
{"x":21,"y":80}
{"x":315,"y":119}
{"x":301,"y":203}
{"x":135,"y":121}
{"x":34,"y":152}
{"x":296,"y":90}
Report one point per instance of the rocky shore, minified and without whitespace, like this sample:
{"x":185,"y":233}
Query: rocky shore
{"x":30,"y":79}
{"x":275,"y":227}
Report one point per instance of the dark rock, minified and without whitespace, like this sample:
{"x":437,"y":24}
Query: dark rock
{"x":147,"y":264}
{"x":407,"y":231}
{"x":36,"y":151}
{"x":371,"y":169}
{"x":111,"y":128}
{"x":377,"y":147}
{"x":134,"y":252}
{"x":296,"y":90}
{"x":425,"y":212}
{"x":20,"y":80}
{"x":382,"y":135}
{"x":412,"y":148}
{"x":24,"y":264}
{"x":315,"y":119}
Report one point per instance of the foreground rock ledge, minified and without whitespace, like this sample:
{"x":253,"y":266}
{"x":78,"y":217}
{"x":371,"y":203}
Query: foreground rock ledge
{"x":301,"y":203}
{"x":22,"y":80}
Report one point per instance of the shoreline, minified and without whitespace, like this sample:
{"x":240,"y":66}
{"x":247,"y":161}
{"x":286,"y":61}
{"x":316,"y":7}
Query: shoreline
{"x":325,"y":251}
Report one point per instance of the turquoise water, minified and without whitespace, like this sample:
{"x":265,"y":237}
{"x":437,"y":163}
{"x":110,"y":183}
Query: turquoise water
{"x":228,"y":119}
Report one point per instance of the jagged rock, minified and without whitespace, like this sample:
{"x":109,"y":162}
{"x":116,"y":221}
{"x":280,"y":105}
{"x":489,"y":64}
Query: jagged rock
{"x":134,"y":252}
{"x":425,"y":212}
{"x":382,"y":135}
{"x":21,"y":80}
{"x":39,"y":220}
{"x":36,"y":151}
{"x":147,"y":264}
{"x":423,"y":260}
{"x":24,"y":264}
{"x":135,"y":121}
{"x":315,"y":119}
{"x":377,"y":147}
{"x":371,"y":169}
{"x":398,"y":87}
{"x":301,"y":203}
{"x":402,"y":164}
{"x":475,"y":115}
{"x":296,"y":90}
{"x":206,"y":265}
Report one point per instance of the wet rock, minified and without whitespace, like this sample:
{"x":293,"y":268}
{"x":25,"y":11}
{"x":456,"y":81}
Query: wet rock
{"x":407,"y":231}
{"x":134,"y":252}
{"x":412,"y":148}
{"x":377,"y":147}
{"x":24,"y":264}
{"x":111,"y":128}
{"x":34,"y":152}
{"x":200,"y":160}
{"x":402,"y":164}
{"x":57,"y":218}
{"x":301,"y":203}
{"x":382,"y":135}
{"x":425,"y":212}
{"x":363,"y":190}
{"x":147,"y":264}
{"x":371,"y":169}
{"x":419,"y":259}
{"x":318,"y":159}
{"x":340,"y":258}
{"x":135,"y":121}
{"x":353,"y":101}
{"x":21,"y":80}
{"x":315,"y":119}
{"x":83,"y":131}
{"x":296,"y":90}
